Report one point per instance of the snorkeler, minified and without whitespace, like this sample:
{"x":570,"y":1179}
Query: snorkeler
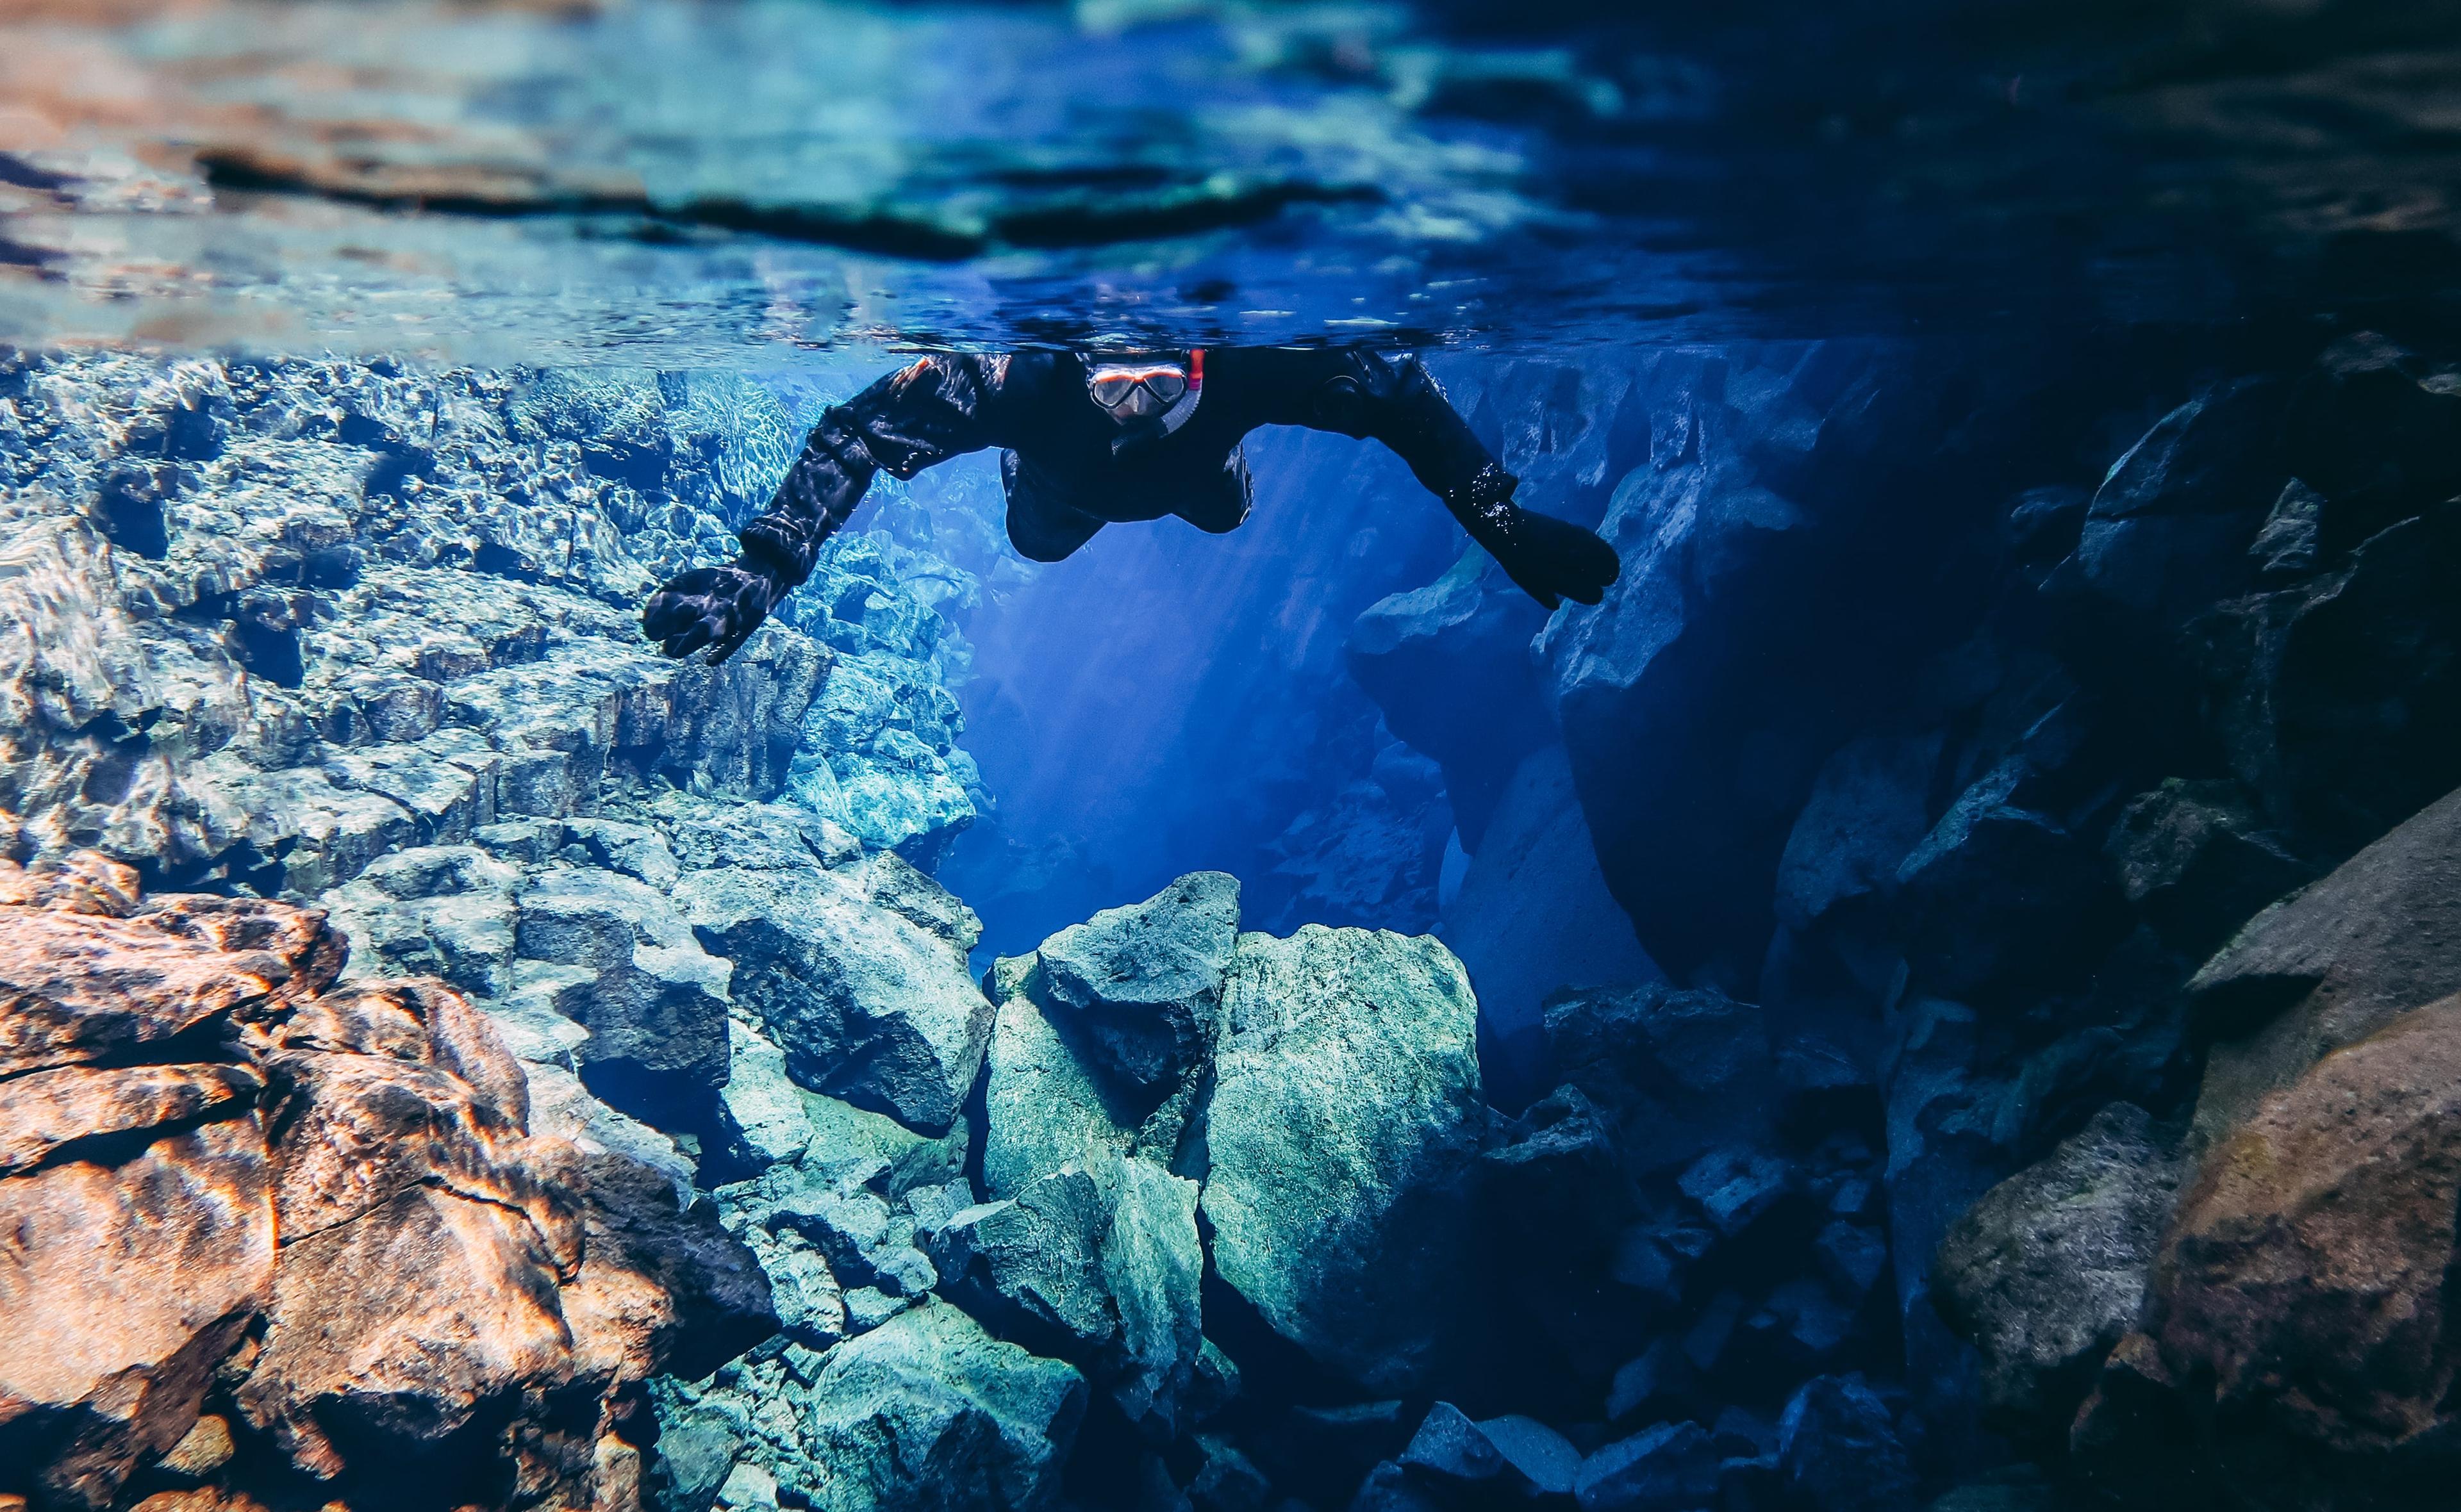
{"x":1090,"y":440}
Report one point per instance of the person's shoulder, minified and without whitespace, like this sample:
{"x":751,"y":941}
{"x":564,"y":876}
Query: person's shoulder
{"x":1035,"y":369}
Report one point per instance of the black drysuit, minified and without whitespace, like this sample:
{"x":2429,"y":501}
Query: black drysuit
{"x":1070,"y":468}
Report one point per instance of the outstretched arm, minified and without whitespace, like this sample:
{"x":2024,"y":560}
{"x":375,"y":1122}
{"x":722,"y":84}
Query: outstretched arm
{"x":923,"y":414}
{"x":1362,"y":394}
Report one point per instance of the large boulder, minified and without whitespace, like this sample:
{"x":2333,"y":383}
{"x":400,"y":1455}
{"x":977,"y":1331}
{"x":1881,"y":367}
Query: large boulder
{"x":1104,"y":1038}
{"x":2167,"y":531}
{"x":2300,"y":1303}
{"x":2338,"y":698}
{"x":1099,"y":1266}
{"x":1047,"y":1106}
{"x":1867,"y":810}
{"x":2332,"y":964}
{"x":867,"y":1004}
{"x":928,"y":1412}
{"x":1683,"y":1070}
{"x":1839,"y":1452}
{"x":2000,"y":895}
{"x":2197,"y":862}
{"x":657,"y":1008}
{"x":2047,"y":1271}
{"x":1143,"y":984}
{"x":317,"y":1208}
{"x":1341,"y":1135}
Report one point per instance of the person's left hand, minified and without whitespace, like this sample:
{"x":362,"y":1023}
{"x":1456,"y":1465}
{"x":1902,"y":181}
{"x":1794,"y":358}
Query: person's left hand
{"x":714,"y":606}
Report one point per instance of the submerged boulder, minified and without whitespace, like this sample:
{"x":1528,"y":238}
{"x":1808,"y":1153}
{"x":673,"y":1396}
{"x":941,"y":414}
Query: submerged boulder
{"x":657,"y":1008}
{"x":867,"y":1004}
{"x":320,"y":1210}
{"x":2331,"y":964}
{"x":1341,"y":1135}
{"x":1104,"y":1036}
{"x":2047,"y":1271}
{"x":1144,"y":982}
{"x":2301,"y":1302}
{"x":929,"y":1413}
{"x":1099,"y":1267}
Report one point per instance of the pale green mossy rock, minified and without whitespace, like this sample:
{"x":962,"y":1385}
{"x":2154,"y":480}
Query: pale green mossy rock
{"x":1342,"y":1132}
{"x":1104,"y":1038}
{"x":930,"y":1414}
{"x":1143,"y":983}
{"x":1100,"y":1266}
{"x":867,"y":1004}
{"x":1047,"y":1107}
{"x":761,"y":1109}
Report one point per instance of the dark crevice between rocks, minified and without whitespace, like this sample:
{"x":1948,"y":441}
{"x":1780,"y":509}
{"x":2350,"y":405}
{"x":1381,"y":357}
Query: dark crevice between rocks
{"x":129,"y":510}
{"x":120,"y":1147}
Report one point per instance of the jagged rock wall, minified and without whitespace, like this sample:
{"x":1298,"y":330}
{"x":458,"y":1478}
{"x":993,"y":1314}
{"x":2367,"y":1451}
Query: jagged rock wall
{"x":267,"y":1229}
{"x":1958,"y":720}
{"x":365,"y":638}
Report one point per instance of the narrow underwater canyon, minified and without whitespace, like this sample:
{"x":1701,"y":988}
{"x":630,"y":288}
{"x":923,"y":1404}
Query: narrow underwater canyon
{"x":1943,"y":990}
{"x":1907,"y":979}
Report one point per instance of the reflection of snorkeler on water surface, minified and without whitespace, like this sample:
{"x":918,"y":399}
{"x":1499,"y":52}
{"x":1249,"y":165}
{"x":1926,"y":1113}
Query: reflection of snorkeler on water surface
{"x":1090,"y":440}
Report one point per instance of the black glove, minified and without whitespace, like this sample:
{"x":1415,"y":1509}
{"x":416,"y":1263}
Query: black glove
{"x":1554,"y":559}
{"x":714,"y":607}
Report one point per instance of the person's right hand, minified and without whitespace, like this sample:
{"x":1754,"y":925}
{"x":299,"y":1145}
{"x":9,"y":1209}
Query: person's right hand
{"x":1553,"y":560}
{"x":714,"y":606}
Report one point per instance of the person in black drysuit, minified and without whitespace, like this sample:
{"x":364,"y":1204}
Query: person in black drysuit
{"x":1092,"y":440}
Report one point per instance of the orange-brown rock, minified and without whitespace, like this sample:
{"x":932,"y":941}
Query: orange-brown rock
{"x":259,"y":1232}
{"x":2299,"y":1301}
{"x":124,"y":1284}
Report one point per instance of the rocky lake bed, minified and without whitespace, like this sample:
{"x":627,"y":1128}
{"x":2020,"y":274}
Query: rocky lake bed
{"x":457,"y":1039}
{"x":1941,"y":993}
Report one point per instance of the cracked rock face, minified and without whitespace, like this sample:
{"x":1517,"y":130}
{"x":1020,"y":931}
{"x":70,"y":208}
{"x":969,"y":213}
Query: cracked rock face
{"x":1343,"y":1126}
{"x":2048,"y":1270}
{"x":309,"y":1213}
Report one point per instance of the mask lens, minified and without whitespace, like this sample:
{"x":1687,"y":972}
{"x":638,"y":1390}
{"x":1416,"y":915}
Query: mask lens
{"x":1166,"y":384}
{"x":1112,"y":389}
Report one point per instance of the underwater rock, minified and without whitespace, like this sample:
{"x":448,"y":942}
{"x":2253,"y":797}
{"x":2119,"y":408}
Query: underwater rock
{"x":865,"y":1005}
{"x":1865,"y":813}
{"x":1447,"y":1446}
{"x":439,"y":911}
{"x":340,"y":1228}
{"x":2331,"y":964}
{"x":1099,"y":1267}
{"x":2196,"y":861}
{"x":2300,"y":1301}
{"x":2167,"y":531}
{"x":762,"y":1109}
{"x":1533,"y":916}
{"x":1449,"y":666}
{"x":2335,"y":697}
{"x":1838,"y":1451}
{"x":1661,"y":1469}
{"x":1683,"y":1069}
{"x":1142,"y":985}
{"x":928,"y":1412}
{"x":1104,"y":1038}
{"x":656,"y":1013}
{"x":1732,"y":540}
{"x":2000,"y":893}
{"x":2048,"y":1270}
{"x":1556,"y":1173}
{"x":1342,"y":1133}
